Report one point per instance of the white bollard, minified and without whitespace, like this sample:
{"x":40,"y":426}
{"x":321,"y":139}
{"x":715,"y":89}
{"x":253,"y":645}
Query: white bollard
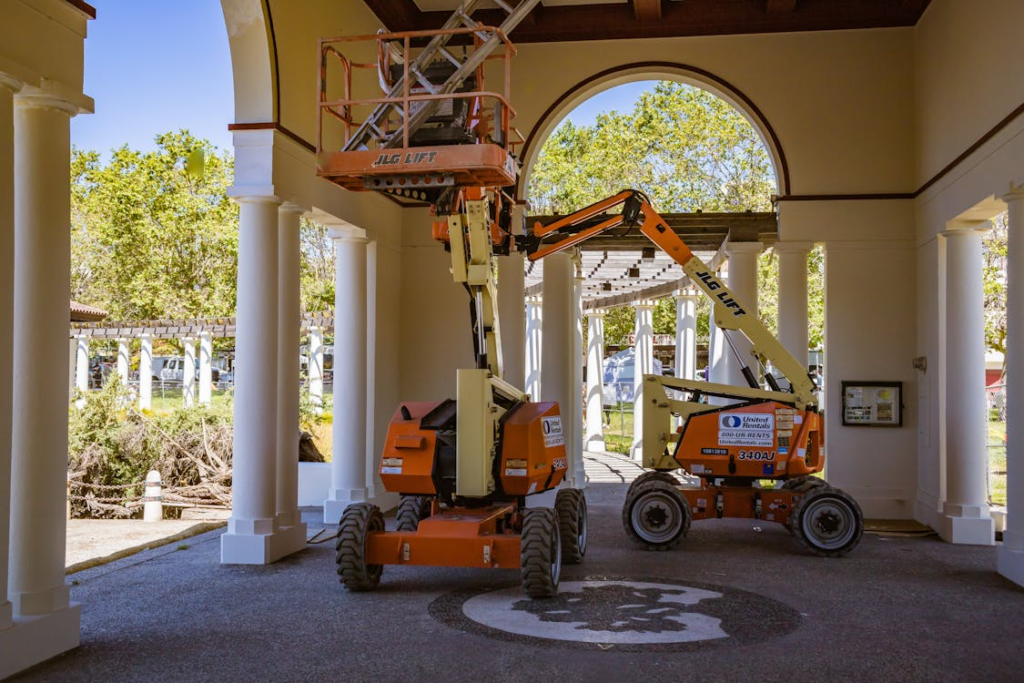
{"x":153,"y":510}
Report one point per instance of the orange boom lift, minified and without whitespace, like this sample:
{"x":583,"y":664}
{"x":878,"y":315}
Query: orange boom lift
{"x":750,"y":435}
{"x":465,"y":466}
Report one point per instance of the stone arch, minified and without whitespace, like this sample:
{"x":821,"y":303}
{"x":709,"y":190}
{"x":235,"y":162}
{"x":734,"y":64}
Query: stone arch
{"x":253,"y":62}
{"x":642,"y":71}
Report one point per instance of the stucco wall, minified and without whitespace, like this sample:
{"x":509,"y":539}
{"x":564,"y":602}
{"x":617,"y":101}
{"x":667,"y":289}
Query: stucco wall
{"x":968,"y":63}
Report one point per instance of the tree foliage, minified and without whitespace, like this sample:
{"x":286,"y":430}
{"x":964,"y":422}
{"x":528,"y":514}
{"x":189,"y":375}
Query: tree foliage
{"x":994,"y":250}
{"x":317,"y":267}
{"x":688,"y":151}
{"x":150,"y":239}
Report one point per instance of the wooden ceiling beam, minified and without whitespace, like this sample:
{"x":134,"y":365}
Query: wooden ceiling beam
{"x":397,"y":15}
{"x":647,"y":10}
{"x":780,"y":6}
{"x":690,"y":18}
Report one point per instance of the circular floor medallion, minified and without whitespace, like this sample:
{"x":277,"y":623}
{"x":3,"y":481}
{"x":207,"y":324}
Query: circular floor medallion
{"x":622,"y":614}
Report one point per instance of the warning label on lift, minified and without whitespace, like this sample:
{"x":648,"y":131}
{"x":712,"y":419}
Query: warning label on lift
{"x":743,"y":429}
{"x":553,"y":431}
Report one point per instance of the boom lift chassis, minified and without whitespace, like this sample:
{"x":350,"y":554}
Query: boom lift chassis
{"x":758,"y":435}
{"x":464,"y":467}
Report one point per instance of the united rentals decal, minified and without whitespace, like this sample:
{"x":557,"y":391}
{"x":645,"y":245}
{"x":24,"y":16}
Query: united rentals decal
{"x":746,"y":429}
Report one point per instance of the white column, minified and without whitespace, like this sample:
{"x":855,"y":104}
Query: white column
{"x":188,"y":378}
{"x":512,"y":314}
{"x":686,"y":334}
{"x":288,"y":336}
{"x":643,"y":364}
{"x":594,"y":437}
{"x":205,"y":368}
{"x":966,"y":516}
{"x":146,"y":372}
{"x":124,"y":360}
{"x":348,"y":432}
{"x":793,"y":297}
{"x":72,"y":345}
{"x":534,"y":342}
{"x":82,"y":368}
{"x":1010,"y":555}
{"x":42,"y":286}
{"x":579,"y":478}
{"x":743,"y":283}
{"x":558,"y":346}
{"x":7,"y":90}
{"x":316,"y":367}
{"x":252,"y":536}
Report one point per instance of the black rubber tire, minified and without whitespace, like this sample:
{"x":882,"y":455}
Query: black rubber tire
{"x":571,"y":506}
{"x":801,"y":485}
{"x":804,"y":484}
{"x":358,"y":521}
{"x":410,"y":511}
{"x":651,"y":475}
{"x":540,"y":552}
{"x":828,"y":521}
{"x":650,"y":507}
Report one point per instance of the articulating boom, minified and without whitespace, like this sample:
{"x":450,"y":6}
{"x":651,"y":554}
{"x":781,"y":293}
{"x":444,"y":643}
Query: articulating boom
{"x":728,"y":311}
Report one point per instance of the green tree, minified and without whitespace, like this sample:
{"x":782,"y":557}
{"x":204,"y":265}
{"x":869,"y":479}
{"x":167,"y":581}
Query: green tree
{"x":688,"y":151}
{"x":317,"y":267}
{"x":994,"y":251}
{"x":150,"y":239}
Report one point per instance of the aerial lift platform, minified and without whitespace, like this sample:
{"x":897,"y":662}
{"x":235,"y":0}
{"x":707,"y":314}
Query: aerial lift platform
{"x":464,"y":467}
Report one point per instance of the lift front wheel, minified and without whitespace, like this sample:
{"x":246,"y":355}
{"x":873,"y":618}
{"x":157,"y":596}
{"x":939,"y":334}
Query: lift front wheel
{"x":649,"y":476}
{"x":410,"y":511}
{"x":541,"y":552}
{"x":358,"y":521}
{"x":656,"y":515}
{"x":571,"y":506}
{"x":828,"y":521}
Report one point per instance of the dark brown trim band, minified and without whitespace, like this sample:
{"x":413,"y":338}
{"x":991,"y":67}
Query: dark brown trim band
{"x":726,"y":85}
{"x":83,"y":7}
{"x":270,"y":125}
{"x":843,"y":197}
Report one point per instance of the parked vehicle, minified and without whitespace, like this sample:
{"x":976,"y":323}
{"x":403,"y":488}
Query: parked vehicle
{"x":618,"y":376}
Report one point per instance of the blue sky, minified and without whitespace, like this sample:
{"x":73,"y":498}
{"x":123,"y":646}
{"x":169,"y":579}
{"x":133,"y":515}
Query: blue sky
{"x":154,"y":67}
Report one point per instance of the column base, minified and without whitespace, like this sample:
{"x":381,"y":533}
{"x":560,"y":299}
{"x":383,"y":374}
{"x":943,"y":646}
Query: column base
{"x":967,"y":530}
{"x":636,"y":451}
{"x":335,"y":505}
{"x":1009,"y":563}
{"x":579,"y":479}
{"x":287,"y":519}
{"x":595,"y":443}
{"x":237,"y":547}
{"x":32,"y":640}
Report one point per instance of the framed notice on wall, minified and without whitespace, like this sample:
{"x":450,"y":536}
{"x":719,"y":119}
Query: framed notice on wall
{"x":872,"y":404}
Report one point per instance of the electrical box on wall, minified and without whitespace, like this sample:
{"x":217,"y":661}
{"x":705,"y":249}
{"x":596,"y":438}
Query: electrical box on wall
{"x":872,"y":404}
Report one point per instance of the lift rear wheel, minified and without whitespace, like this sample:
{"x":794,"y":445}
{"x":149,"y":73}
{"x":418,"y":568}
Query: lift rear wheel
{"x":358,"y":521}
{"x":648,"y":476}
{"x":656,"y":515}
{"x":541,"y":552}
{"x":828,"y":521}
{"x":803,"y":485}
{"x":410,"y":511}
{"x":571,"y":506}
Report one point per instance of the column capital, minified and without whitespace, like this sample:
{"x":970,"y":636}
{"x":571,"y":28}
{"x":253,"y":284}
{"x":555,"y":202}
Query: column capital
{"x":35,"y":99}
{"x":596,"y":313}
{"x":145,"y":335}
{"x":10,"y":82}
{"x":793,"y":247}
{"x":732,"y":248}
{"x":958,"y":227}
{"x":645,"y":303}
{"x":1014,"y":193}
{"x":289,"y":207}
{"x":253,"y":195}
{"x":347,"y":233}
{"x":534,"y":300}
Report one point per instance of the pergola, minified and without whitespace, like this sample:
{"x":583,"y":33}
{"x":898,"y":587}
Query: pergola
{"x":896,"y":133}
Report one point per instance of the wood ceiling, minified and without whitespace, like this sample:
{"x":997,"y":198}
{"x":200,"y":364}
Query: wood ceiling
{"x":560,"y":20}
